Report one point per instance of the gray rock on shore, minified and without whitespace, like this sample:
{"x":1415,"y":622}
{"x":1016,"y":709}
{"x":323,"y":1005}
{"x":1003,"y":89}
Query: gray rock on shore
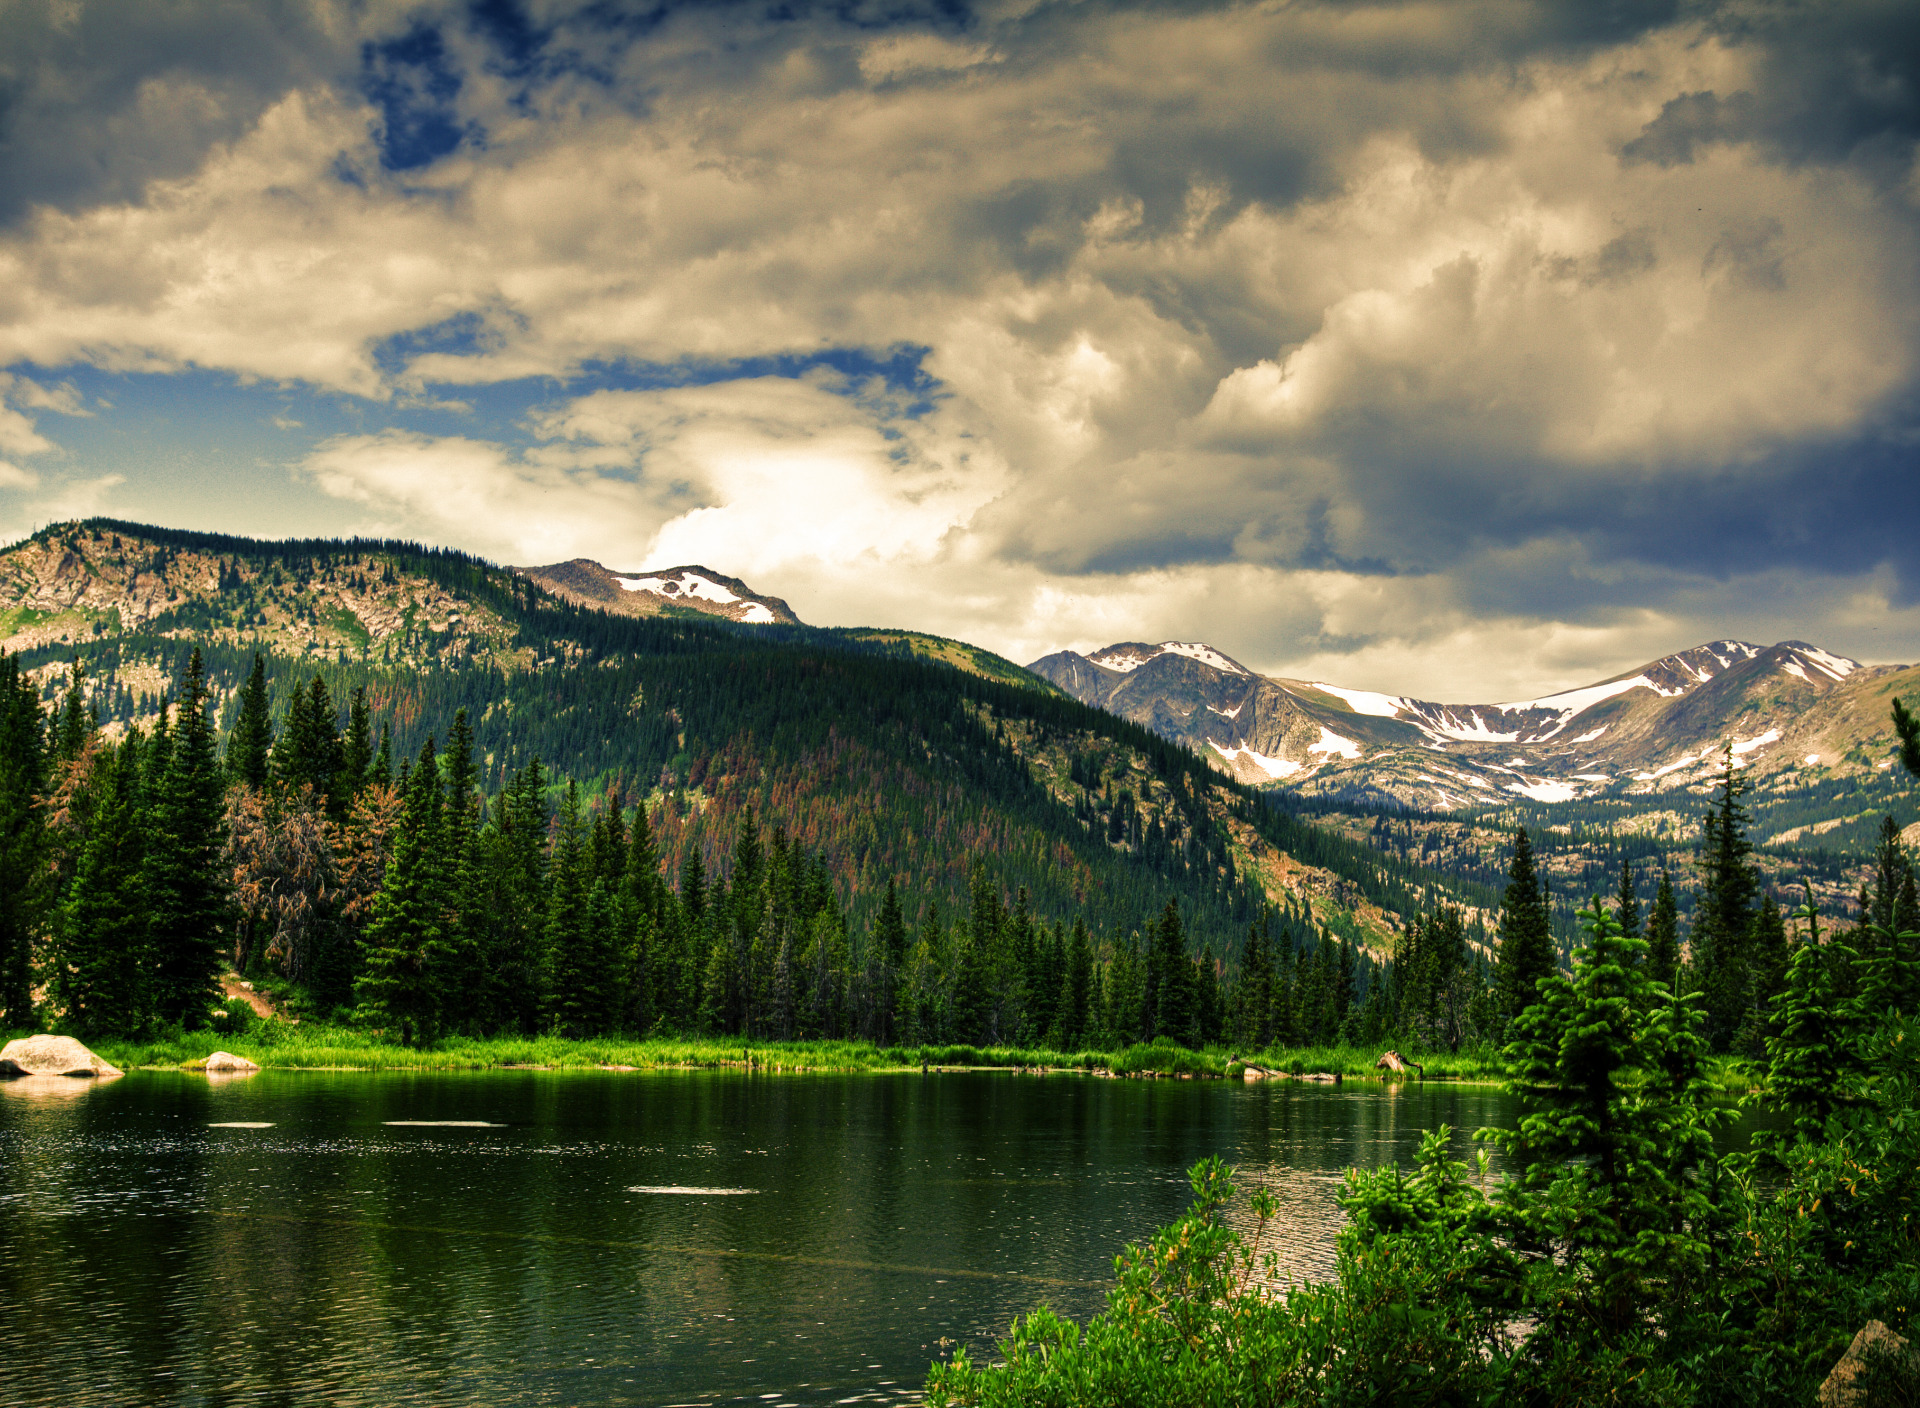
{"x":47,"y":1055}
{"x":227,"y":1061}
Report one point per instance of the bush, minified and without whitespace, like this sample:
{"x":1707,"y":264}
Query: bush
{"x":235,"y":1019}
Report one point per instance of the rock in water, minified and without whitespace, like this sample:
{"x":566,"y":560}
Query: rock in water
{"x":46,"y":1055}
{"x":1841,"y":1390}
{"x":227,"y":1061}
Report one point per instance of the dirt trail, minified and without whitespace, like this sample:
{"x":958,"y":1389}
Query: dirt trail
{"x":238,"y":991}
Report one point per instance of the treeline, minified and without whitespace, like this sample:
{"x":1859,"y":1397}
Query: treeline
{"x":398,"y":896}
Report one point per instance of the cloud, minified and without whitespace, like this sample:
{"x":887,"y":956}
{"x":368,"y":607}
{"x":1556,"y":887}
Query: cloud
{"x":1391,"y":333}
{"x":765,"y":475}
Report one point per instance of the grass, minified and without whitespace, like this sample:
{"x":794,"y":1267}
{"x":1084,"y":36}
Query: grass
{"x":314,"y":1045}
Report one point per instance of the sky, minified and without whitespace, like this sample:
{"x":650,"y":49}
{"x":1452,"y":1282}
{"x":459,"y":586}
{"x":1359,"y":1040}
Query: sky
{"x":1464,"y":350}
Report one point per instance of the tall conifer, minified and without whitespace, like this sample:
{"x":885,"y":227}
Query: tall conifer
{"x":23,"y":878}
{"x":405,"y":945}
{"x":250,"y":744}
{"x":1526,"y":931}
{"x":186,"y":884}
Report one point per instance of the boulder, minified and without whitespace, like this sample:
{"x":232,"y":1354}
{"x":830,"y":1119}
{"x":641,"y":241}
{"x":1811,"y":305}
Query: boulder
{"x":227,"y":1061}
{"x":1842,"y":1389}
{"x":47,"y":1055}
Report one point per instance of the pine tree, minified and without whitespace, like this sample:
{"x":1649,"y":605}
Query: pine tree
{"x":185,"y":882}
{"x":1169,"y":1007}
{"x":1723,"y":917}
{"x":570,"y":941}
{"x":381,"y":770}
{"x":1663,"y":936}
{"x":1809,"y":1056}
{"x":101,"y":962}
{"x":356,"y":761}
{"x":1627,"y":903}
{"x":76,"y":722}
{"x":1526,"y":931}
{"x":405,"y":945}
{"x":251,"y":743}
{"x":24,"y":891}
{"x":1079,"y":982}
{"x":1612,"y":1138}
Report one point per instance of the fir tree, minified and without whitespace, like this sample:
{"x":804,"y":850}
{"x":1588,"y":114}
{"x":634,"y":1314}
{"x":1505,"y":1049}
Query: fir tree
{"x":250,"y":744}
{"x":1724,"y":915}
{"x":76,"y":722}
{"x":23,"y":875}
{"x":1612,"y":1141}
{"x":405,"y":946}
{"x":356,"y":759}
{"x":1626,"y":907}
{"x":101,"y":962}
{"x":1663,"y":936}
{"x":185,"y":882}
{"x":570,"y":940}
{"x":1526,"y":931}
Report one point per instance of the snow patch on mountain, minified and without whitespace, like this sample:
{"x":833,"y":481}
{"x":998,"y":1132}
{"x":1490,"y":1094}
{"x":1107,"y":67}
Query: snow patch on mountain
{"x":1232,"y":713}
{"x":1365,"y":701}
{"x":685,"y":585}
{"x":1545,"y":791}
{"x":1205,"y":654}
{"x":1125,"y":662}
{"x":1274,"y":768}
{"x":1331,"y":742}
{"x":1772,"y":735}
{"x":1590,"y":735}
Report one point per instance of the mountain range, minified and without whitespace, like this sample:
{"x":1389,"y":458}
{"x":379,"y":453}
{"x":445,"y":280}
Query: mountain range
{"x":1794,"y":714}
{"x":1103,"y":783}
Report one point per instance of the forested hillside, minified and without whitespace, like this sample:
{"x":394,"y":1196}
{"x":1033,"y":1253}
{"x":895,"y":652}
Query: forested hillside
{"x":866,"y":760}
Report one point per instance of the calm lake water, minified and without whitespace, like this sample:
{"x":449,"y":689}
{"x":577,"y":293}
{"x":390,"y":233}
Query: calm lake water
{"x":573,"y":1244}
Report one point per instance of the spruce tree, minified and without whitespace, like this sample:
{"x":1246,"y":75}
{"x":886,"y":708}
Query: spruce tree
{"x":24,"y":891}
{"x":1526,"y":931}
{"x":356,"y":758}
{"x":1170,"y":1006}
{"x":1810,"y":1059}
{"x":1724,"y":914}
{"x":250,"y":744}
{"x":1627,"y":903}
{"x":76,"y":721}
{"x":1079,"y":982}
{"x":405,"y":945}
{"x":569,"y":929}
{"x":1663,"y":936}
{"x":185,"y":881}
{"x":101,"y":962}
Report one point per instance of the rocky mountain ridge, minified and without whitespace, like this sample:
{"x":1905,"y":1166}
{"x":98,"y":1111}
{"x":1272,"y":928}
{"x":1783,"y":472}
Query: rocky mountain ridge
{"x":1791,"y":709}
{"x":687,"y":588}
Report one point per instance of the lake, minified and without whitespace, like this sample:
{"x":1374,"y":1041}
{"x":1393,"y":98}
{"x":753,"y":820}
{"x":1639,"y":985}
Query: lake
{"x":613,"y":1238}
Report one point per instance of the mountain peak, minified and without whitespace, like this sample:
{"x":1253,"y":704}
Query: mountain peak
{"x":688,"y":587}
{"x":1128,"y":656}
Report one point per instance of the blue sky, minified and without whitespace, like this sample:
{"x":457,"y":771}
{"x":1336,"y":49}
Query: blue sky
{"x":1459,"y":349}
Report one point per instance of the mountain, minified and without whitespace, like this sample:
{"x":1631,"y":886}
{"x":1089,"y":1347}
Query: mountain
{"x":671,"y":589}
{"x":1796,"y":716}
{"x":889,"y":754}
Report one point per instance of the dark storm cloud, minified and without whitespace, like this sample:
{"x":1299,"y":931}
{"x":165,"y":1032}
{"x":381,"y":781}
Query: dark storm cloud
{"x":1399,"y":318}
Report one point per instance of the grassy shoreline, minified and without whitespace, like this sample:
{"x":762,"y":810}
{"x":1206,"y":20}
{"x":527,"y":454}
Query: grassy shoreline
{"x":311,"y":1046}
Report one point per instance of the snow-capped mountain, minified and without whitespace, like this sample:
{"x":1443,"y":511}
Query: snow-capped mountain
{"x":690,"y":588}
{"x":1788,"y":707}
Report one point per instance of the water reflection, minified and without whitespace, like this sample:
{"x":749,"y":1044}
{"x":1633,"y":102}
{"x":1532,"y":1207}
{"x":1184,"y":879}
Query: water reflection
{"x":584,"y":1238}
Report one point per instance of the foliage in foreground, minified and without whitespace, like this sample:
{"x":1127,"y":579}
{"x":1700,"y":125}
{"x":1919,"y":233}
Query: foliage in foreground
{"x":1618,"y":1260}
